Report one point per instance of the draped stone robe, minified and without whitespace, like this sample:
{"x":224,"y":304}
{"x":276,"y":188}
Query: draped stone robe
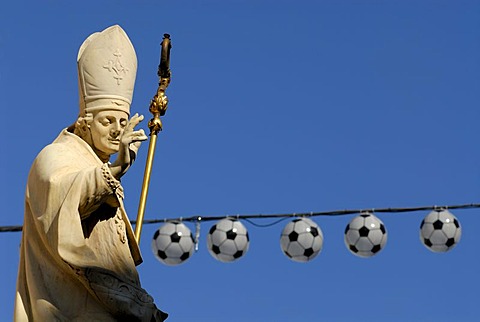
{"x":78,"y":253}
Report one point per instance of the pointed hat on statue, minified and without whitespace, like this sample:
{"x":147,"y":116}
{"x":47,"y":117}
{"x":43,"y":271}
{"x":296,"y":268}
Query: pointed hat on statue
{"x":107,"y":67}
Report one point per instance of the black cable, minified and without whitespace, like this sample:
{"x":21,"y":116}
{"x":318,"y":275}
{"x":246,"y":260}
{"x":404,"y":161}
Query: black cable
{"x":4,"y":229}
{"x":315,"y":214}
{"x":285,"y":216}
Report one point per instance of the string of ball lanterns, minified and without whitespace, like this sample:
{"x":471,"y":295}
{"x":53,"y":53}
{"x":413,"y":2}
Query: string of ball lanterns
{"x":301,"y":239}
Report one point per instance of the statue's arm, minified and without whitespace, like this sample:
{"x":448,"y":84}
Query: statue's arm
{"x":60,"y":175}
{"x":98,"y":186}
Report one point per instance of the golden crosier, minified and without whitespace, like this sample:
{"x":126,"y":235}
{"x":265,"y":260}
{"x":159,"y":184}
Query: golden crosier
{"x":158,"y":107}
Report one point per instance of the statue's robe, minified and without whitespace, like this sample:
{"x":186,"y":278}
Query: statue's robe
{"x":78,"y":252}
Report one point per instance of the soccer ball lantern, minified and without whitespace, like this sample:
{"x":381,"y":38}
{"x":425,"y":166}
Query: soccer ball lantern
{"x":228,"y":240}
{"x":440,"y":231}
{"x":173,"y":243}
{"x":301,"y":240}
{"x":365,"y":235}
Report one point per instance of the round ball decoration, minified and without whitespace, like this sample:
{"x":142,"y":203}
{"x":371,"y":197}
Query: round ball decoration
{"x":440,"y":231}
{"x":365,"y":235}
{"x":228,"y":240}
{"x":173,"y":243}
{"x":301,"y":240}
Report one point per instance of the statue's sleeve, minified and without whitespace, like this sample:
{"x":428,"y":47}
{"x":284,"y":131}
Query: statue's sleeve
{"x":99,"y":186}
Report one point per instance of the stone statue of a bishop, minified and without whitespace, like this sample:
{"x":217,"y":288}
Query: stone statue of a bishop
{"x":78,"y":254}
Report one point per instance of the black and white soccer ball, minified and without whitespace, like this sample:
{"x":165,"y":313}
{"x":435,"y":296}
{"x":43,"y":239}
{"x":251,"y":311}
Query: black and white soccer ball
{"x":301,"y":240}
{"x":440,"y":231}
{"x":365,"y":235}
{"x":228,"y":240}
{"x":173,"y":243}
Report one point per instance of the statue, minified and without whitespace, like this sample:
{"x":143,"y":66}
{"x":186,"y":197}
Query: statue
{"x":78,"y":253}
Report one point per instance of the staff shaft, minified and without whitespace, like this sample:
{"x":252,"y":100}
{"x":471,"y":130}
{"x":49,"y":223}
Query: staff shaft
{"x":145,"y":185}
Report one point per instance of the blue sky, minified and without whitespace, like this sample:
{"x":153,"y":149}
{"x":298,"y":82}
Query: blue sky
{"x":275,"y":107}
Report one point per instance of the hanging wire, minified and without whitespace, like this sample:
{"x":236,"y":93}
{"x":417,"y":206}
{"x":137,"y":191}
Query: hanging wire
{"x":10,"y":229}
{"x":289,"y":215}
{"x":265,"y":225}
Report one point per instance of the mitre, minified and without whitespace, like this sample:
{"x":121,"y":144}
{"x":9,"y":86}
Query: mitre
{"x":107,"y":67}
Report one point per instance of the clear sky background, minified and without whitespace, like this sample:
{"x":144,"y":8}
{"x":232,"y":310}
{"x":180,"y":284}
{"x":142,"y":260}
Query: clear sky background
{"x":275,"y":107}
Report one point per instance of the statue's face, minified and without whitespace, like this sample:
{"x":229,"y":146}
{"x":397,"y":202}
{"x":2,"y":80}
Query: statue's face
{"x":106,"y":129}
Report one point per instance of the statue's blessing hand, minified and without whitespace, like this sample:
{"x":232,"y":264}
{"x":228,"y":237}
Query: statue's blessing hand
{"x":129,"y":144}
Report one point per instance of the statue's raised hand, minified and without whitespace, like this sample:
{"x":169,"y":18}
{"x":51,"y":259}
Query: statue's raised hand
{"x":130,"y":141}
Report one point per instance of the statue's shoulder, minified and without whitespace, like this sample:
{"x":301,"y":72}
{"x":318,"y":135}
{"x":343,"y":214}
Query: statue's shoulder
{"x":66,"y":147}
{"x":63,"y":142}
{"x":64,"y":154}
